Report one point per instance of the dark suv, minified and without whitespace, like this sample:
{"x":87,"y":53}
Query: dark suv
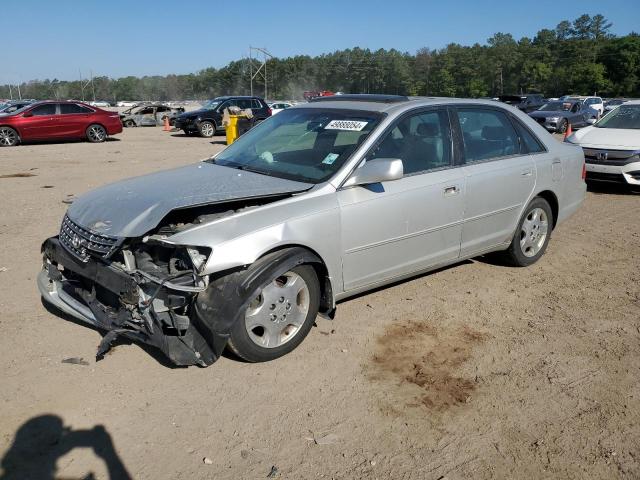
{"x":527,"y":103}
{"x":208,"y":119}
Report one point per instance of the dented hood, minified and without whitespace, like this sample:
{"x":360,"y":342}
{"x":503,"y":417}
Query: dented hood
{"x":132,"y":207}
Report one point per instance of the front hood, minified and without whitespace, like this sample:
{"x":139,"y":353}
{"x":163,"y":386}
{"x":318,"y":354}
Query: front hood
{"x":194,"y":113}
{"x":132,"y":207}
{"x":546,"y":113}
{"x":613,"y":138}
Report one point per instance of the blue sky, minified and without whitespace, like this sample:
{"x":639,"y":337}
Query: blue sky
{"x":57,"y":38}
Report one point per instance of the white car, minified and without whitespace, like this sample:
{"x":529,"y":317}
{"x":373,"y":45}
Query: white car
{"x":100,"y":103}
{"x":279,"y":106}
{"x":126,"y":103}
{"x":594,"y":103}
{"x":612,"y":146}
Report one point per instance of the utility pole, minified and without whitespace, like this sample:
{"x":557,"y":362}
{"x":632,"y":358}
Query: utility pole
{"x":262,"y":69}
{"x":10,"y":92}
{"x":93,"y":90}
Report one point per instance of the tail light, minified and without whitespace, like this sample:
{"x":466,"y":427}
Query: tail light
{"x":584,"y":171}
{"x":270,"y":111}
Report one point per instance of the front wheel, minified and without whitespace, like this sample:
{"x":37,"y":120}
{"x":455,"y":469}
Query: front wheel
{"x":8,"y":137}
{"x":130,"y":123}
{"x":96,"y":133}
{"x":279,"y":318}
{"x":207,"y":129}
{"x":532,"y":235}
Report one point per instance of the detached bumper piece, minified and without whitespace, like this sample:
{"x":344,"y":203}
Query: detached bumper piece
{"x":128,"y":305}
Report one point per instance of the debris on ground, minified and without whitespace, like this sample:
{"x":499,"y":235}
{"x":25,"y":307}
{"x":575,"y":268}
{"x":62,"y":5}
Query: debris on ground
{"x":3,"y":269}
{"x":325,"y":439}
{"x":47,"y":186}
{"x":70,"y":199}
{"x":207,"y":461}
{"x":18,"y":175}
{"x":273,"y":472}
{"x":76,"y":361}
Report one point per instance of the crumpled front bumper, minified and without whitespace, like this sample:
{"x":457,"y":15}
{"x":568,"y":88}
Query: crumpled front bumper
{"x":72,"y":289}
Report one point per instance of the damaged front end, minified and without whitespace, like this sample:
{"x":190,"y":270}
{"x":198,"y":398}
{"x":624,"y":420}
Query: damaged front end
{"x":143,"y":289}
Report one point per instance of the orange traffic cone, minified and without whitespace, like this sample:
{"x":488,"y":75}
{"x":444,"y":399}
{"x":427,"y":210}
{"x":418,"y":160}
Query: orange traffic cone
{"x":167,"y":127}
{"x":568,"y":132}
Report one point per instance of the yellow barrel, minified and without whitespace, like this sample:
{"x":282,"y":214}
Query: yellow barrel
{"x":232,"y":128}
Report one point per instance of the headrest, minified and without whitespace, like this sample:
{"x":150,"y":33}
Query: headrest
{"x":494,"y":133}
{"x":427,"y":130}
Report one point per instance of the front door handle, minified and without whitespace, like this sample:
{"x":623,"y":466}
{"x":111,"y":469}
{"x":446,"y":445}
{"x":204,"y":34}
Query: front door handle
{"x":451,"y":190}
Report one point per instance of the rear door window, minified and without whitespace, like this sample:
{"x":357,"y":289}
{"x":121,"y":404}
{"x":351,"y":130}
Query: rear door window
{"x":487,"y":134}
{"x":255,"y":104}
{"x":72,"y":108}
{"x":43,"y":110}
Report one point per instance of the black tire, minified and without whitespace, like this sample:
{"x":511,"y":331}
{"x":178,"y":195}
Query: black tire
{"x":244,"y":347}
{"x":515,"y":255}
{"x":562,"y":127}
{"x":8,"y":137}
{"x":129,"y":123}
{"x":207,"y":129}
{"x":189,"y":133}
{"x":96,"y":133}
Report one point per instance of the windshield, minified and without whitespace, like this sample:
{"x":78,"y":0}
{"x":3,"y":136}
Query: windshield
{"x":302,"y":144}
{"x":556,"y":106}
{"x":211,"y":104}
{"x":14,"y":108}
{"x":625,"y":116}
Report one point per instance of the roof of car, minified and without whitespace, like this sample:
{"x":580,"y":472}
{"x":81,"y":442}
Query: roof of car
{"x":225,"y":97}
{"x":372,"y":105}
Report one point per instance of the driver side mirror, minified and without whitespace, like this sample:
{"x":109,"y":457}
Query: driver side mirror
{"x":376,"y":171}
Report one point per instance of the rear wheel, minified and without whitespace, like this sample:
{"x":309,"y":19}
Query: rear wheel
{"x":207,"y":129}
{"x":130,"y":123}
{"x":8,"y":137}
{"x":562,"y":126}
{"x":279,"y":318}
{"x":532,"y":235}
{"x":96,"y":133}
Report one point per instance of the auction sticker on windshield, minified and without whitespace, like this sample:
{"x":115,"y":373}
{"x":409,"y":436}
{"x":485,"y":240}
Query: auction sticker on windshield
{"x":350,"y":125}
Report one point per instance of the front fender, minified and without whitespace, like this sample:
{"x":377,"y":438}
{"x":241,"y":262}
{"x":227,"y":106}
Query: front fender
{"x":223,"y":304}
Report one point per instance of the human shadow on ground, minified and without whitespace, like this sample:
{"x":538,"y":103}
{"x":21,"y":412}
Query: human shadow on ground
{"x":42,"y":440}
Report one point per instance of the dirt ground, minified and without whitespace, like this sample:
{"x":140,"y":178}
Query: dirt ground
{"x":474,"y":371}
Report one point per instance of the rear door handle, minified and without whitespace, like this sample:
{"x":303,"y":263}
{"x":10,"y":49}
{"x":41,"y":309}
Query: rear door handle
{"x":451,"y":190}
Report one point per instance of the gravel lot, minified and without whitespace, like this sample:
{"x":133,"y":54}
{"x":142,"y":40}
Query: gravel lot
{"x":475,"y":371}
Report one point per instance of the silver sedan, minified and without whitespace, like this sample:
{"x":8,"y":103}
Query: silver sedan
{"x":319,"y":203}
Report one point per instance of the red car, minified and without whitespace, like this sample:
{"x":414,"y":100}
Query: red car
{"x":56,"y":120}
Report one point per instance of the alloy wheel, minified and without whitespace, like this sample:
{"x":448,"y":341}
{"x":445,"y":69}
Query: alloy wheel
{"x":533,"y":232}
{"x":96,"y":133}
{"x":8,"y":137}
{"x":207,"y":129}
{"x":277,"y":314}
